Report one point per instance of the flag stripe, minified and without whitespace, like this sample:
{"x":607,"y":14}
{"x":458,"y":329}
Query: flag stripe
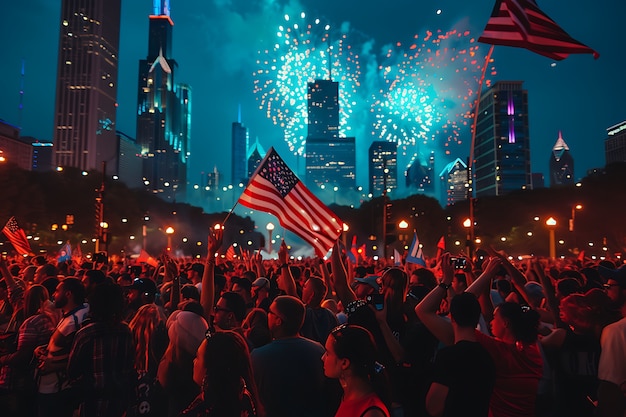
{"x":520,"y":23}
{"x":275,"y":189}
{"x":268,"y":199}
{"x":17,"y":237}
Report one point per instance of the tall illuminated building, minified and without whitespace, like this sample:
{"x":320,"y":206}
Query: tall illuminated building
{"x":615,"y":143}
{"x":164,"y":111}
{"x":561,"y":164}
{"x":420,"y":175}
{"x":454,"y":179}
{"x":330,"y":159}
{"x":502,"y":145}
{"x":383,"y":167}
{"x":255,"y":155}
{"x":86,"y":90}
{"x":239,"y":138}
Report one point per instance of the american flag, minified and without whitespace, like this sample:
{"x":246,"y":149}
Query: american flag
{"x":275,"y":189}
{"x":230,"y":253}
{"x":17,"y":237}
{"x":520,"y":23}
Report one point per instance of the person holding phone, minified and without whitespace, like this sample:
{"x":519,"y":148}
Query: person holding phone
{"x":406,"y":349}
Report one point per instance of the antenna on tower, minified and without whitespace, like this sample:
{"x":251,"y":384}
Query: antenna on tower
{"x":21,"y":105}
{"x":239,"y":113}
{"x":330,"y":63}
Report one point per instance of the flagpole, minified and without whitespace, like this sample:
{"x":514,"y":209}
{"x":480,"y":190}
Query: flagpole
{"x":470,"y":163}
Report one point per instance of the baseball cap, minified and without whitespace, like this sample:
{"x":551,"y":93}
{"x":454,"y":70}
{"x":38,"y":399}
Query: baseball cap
{"x":261,"y":283}
{"x":617,"y":274}
{"x":143,"y":285}
{"x":371,"y":280}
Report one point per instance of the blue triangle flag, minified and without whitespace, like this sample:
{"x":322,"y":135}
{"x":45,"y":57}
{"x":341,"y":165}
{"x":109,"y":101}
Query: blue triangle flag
{"x":415,"y":255}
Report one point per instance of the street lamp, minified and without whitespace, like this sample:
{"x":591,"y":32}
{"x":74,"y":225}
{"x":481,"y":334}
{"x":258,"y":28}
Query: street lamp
{"x":345,"y":234}
{"x":571,"y":222}
{"x":551,"y":223}
{"x":467,"y":224}
{"x":270,"y":229}
{"x":169,"y":232}
{"x":403,"y":225}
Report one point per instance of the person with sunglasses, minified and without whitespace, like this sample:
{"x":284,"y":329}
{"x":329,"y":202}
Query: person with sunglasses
{"x":350,"y":357}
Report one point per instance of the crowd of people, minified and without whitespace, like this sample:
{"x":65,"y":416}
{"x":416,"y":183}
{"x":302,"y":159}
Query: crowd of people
{"x":491,"y":336}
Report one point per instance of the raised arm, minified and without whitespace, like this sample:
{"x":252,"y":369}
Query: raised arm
{"x":340,"y":278}
{"x":481,"y":286}
{"x":427,"y":309}
{"x":550,"y":294}
{"x":207,"y":295}
{"x":285,"y":279}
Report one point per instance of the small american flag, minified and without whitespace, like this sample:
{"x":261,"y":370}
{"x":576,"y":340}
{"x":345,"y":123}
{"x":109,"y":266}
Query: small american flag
{"x":275,"y":189}
{"x":520,"y":23}
{"x":17,"y":237}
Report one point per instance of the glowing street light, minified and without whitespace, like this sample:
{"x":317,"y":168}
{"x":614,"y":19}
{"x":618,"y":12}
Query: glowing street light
{"x":403,"y":225}
{"x":169,"y":232}
{"x":270,"y":228}
{"x":551,"y":224}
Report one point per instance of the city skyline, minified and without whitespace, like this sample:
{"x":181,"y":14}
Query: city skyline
{"x":217,"y":46}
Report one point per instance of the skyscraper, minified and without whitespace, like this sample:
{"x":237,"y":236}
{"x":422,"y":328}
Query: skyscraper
{"x":502,"y":145}
{"x":330,"y":159}
{"x":383,"y":167}
{"x":253,"y":159}
{"x":454,"y":181}
{"x":615,"y":143}
{"x":86,"y":92}
{"x":561,"y":164}
{"x":164,"y":111}
{"x":239,"y":148}
{"x":421,"y":174}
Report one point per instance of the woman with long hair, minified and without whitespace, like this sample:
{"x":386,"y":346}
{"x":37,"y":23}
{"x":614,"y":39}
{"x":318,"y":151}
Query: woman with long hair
{"x":351,"y":357}
{"x":222,"y":370}
{"x":17,"y":375}
{"x":150,"y":335}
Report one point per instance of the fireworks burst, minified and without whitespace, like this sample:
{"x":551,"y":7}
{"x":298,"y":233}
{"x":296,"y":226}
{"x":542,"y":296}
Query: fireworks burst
{"x":427,"y":91}
{"x":305,"y":51}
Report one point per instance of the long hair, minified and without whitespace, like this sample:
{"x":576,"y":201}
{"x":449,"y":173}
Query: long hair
{"x":147,"y":325}
{"x":357,"y":344}
{"x":228,"y":374}
{"x":34,"y":298}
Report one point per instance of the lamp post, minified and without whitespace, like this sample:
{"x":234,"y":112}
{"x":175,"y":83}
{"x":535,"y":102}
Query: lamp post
{"x":469,"y":244}
{"x":169,"y":232}
{"x":572,"y":222}
{"x":551,"y":223}
{"x":403,"y":225}
{"x":270,"y":229}
{"x":345,"y":235}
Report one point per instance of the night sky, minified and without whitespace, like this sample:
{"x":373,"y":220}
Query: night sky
{"x":216,"y":44}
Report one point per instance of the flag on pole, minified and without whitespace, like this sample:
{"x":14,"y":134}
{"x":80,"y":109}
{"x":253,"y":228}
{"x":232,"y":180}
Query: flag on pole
{"x":415,"y":255}
{"x":145,"y":257}
{"x":17,"y":237}
{"x":77,"y":255}
{"x":230,"y":253}
{"x":521,"y":24}
{"x":275,"y":189}
{"x":441,"y":244}
{"x":65,"y":253}
{"x":397,"y":258}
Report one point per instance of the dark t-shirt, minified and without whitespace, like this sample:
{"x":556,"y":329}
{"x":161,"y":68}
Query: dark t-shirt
{"x":318,"y":322}
{"x":468,"y":371}
{"x":289,"y":374}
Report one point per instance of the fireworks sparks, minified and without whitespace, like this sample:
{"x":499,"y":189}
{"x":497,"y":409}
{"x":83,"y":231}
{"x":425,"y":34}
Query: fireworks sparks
{"x":419,"y":96}
{"x":304,"y":51}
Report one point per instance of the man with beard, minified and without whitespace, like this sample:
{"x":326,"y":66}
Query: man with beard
{"x":143,"y":291}
{"x":54,"y":397}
